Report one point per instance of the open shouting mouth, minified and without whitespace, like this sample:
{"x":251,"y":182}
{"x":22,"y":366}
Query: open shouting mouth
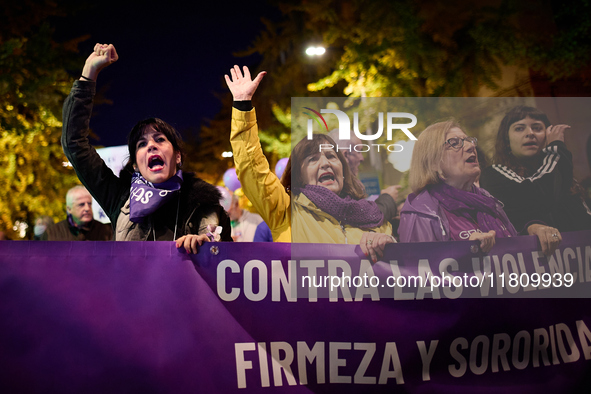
{"x":326,"y":178}
{"x":529,"y":144}
{"x":472,"y":159}
{"x":155,"y":163}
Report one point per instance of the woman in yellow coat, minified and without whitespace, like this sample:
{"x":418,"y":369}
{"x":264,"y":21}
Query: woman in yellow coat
{"x":328,"y":205}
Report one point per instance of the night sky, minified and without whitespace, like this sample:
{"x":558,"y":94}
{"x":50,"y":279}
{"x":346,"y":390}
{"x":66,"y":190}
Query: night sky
{"x":172,"y":58}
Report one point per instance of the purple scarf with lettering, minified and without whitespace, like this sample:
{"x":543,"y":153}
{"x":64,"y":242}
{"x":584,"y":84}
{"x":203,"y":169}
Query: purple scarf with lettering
{"x":474,"y":204}
{"x":357,"y":213}
{"x":146,"y":197}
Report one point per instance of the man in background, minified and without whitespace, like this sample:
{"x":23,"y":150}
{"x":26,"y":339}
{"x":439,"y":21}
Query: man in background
{"x":244,"y":223}
{"x":80,"y":224}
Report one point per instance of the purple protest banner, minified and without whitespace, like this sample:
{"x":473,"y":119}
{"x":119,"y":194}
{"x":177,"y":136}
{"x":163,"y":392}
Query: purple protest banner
{"x":145,"y":317}
{"x":111,"y":317}
{"x":514,"y":268}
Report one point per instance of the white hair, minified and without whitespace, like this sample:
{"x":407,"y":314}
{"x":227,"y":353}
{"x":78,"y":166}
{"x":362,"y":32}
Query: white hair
{"x":72,"y":192}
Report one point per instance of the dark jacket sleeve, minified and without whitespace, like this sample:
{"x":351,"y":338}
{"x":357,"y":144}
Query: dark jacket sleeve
{"x":226,"y":227}
{"x":387,"y":206}
{"x":92,"y":171}
{"x":532,"y":199}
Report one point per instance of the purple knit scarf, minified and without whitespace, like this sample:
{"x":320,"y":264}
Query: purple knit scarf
{"x":357,"y":213}
{"x":146,"y":197}
{"x":465,"y":204}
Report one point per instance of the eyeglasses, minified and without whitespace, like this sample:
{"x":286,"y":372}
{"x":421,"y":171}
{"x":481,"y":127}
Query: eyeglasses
{"x":458,"y":143}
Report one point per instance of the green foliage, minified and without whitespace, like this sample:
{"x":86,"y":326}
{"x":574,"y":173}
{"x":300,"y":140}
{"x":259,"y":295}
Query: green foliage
{"x":408,"y":48}
{"x":33,"y":86}
{"x":276,"y":139}
{"x":390,"y":48}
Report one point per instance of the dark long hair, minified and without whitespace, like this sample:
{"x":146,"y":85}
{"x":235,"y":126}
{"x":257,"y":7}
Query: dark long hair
{"x":292,"y":176}
{"x":503,"y":155}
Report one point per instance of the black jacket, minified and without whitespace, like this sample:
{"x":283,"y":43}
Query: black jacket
{"x":544,"y":196}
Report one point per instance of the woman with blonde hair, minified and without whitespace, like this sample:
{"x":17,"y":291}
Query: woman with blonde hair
{"x":445,"y":204}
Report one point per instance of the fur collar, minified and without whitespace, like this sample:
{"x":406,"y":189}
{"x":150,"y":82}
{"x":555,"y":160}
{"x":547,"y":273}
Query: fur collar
{"x":196,"y":191}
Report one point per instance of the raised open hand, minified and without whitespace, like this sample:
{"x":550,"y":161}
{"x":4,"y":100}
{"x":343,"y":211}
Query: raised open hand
{"x":242,"y":86}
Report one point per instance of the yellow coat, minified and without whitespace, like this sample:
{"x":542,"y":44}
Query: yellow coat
{"x":259,"y":183}
{"x":273,"y":203}
{"x":312,"y":225}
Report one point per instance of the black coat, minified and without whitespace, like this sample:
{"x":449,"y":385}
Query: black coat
{"x":544,"y":196}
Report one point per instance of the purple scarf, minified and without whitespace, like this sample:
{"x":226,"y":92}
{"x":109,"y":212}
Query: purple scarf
{"x":146,"y":197}
{"x":466,"y":204}
{"x":357,"y":213}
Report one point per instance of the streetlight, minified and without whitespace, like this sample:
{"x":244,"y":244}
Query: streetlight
{"x":315,"y":51}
